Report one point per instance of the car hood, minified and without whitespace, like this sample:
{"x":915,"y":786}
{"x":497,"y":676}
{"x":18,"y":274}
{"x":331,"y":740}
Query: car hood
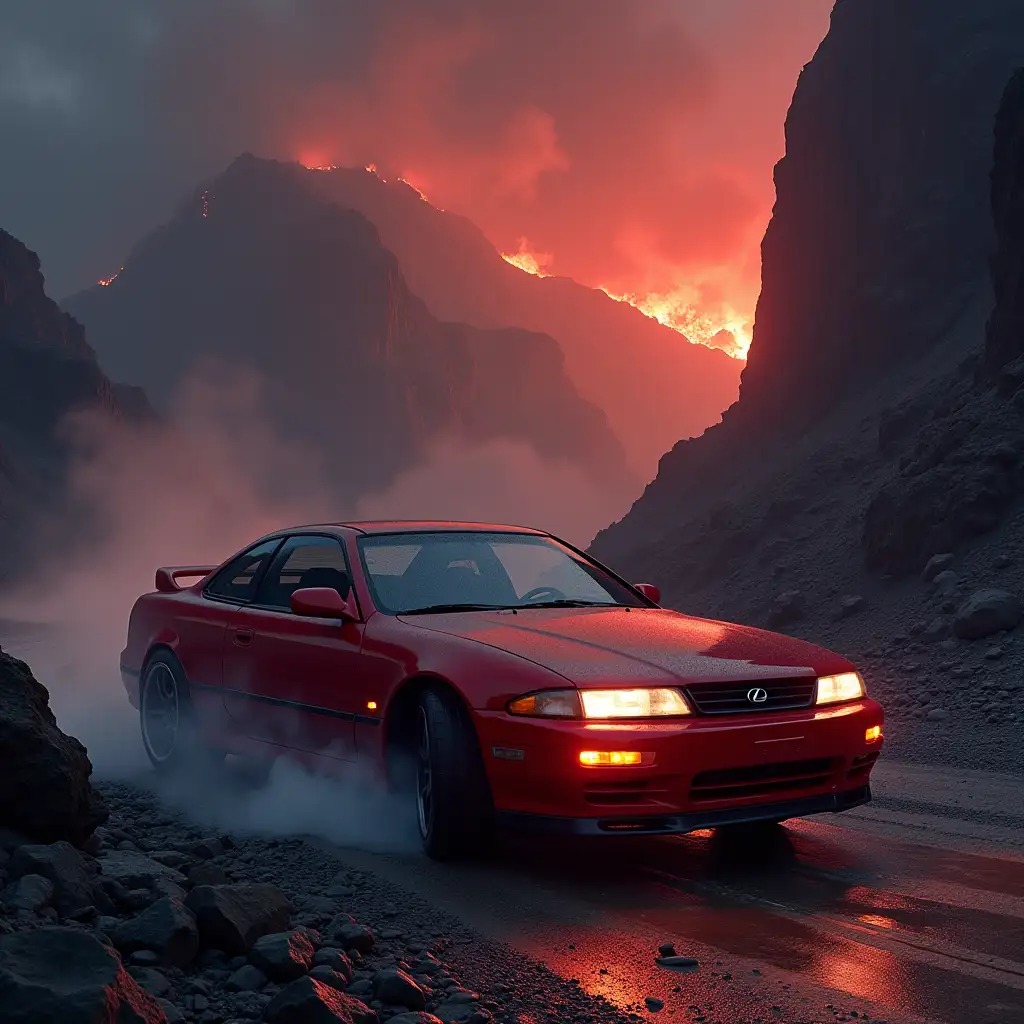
{"x":638,"y":646}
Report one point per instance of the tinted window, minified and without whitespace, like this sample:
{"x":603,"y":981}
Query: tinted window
{"x":238,"y":579}
{"x":304,"y":562}
{"x":507,"y":570}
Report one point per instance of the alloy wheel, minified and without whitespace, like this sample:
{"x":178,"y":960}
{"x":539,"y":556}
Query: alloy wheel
{"x":160,"y":712}
{"x":424,"y":776}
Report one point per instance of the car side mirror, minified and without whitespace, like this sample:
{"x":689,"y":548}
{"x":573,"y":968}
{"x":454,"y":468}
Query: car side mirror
{"x":324,"y":603}
{"x":650,"y":591}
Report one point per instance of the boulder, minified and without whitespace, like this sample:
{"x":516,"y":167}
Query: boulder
{"x":232,"y":917}
{"x":282,"y":956}
{"x":246,"y":979}
{"x":349,"y":934}
{"x":329,"y":976}
{"x":986,"y":612}
{"x":74,"y":882}
{"x":393,"y":987}
{"x":30,"y":892}
{"x":308,"y":1001}
{"x":167,"y":928}
{"x":45,"y":791}
{"x":335,"y":959}
{"x":66,"y":976}
{"x":135,"y":870}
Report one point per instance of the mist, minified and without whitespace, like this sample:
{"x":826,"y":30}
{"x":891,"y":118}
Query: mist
{"x":187,"y":491}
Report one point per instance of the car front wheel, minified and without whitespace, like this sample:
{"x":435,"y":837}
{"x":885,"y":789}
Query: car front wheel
{"x":453,"y":800}
{"x":167,"y":718}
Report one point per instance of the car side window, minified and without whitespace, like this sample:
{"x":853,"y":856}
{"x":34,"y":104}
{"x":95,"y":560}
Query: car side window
{"x":304,"y":562}
{"x":237,"y":581}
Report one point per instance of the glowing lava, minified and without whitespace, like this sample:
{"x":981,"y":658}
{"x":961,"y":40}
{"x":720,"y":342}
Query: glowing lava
{"x":528,"y":260}
{"x":418,"y":191}
{"x":728,"y":331}
{"x":105,"y":282}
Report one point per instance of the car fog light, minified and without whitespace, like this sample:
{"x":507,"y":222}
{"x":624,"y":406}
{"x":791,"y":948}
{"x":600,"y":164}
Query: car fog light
{"x":607,"y":758}
{"x":872,"y":734}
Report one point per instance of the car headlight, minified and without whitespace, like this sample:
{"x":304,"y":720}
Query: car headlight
{"x":845,"y":686}
{"x":658,"y":702}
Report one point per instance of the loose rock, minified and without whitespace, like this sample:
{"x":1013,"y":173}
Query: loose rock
{"x":986,"y":612}
{"x":30,"y":892}
{"x":233,"y":917}
{"x":283,"y":956}
{"x":247,"y":978}
{"x":677,"y":963}
{"x":394,"y":987}
{"x":349,"y":935}
{"x":66,"y":976}
{"x":308,"y":1001}
{"x":73,"y":882}
{"x":137,"y":871}
{"x":167,"y":928}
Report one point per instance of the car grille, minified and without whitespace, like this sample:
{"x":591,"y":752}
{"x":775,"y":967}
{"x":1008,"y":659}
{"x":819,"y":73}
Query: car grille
{"x":761,"y":779}
{"x":735,"y":697}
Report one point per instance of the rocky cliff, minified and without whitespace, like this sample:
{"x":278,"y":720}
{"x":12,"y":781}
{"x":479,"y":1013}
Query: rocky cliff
{"x":47,"y":371}
{"x":654,"y":386}
{"x":879,"y":421}
{"x":260,"y":273}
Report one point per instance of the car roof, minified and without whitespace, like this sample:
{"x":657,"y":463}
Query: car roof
{"x":380,"y":526}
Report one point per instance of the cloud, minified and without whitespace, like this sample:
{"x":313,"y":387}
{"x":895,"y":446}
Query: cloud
{"x":634,"y":142}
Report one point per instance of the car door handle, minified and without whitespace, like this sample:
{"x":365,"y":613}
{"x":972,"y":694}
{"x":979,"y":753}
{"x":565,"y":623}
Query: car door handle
{"x":243,"y":637}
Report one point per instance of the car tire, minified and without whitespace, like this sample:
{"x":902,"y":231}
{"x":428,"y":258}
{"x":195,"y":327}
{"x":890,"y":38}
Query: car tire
{"x":454,"y":808}
{"x":167,"y":720}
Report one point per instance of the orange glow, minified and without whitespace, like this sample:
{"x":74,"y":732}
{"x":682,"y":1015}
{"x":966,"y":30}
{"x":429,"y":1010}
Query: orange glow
{"x":872,"y":734}
{"x":528,"y":260}
{"x":106,"y":281}
{"x":604,"y":758}
{"x":729,"y":331}
{"x":371,"y":705}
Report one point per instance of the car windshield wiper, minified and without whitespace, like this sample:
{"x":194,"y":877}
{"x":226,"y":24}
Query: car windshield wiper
{"x":456,"y":607}
{"x":569,"y":602}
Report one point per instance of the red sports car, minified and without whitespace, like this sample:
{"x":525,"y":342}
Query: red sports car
{"x":504,"y":675}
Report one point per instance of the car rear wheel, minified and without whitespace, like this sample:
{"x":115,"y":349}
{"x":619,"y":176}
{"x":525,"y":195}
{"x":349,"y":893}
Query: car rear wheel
{"x":167,"y":718}
{"x":454,"y":810}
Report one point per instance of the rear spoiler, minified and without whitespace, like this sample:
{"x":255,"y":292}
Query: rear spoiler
{"x":168,"y":576}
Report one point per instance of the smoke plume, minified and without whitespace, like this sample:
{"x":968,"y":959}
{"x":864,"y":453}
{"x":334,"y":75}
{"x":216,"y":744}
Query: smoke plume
{"x":193,"y":491}
{"x":631,"y":142}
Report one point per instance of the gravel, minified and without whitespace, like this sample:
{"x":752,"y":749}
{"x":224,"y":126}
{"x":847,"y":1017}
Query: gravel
{"x":253,"y":950}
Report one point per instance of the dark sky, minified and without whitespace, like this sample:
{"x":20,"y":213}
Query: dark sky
{"x":632,"y":141}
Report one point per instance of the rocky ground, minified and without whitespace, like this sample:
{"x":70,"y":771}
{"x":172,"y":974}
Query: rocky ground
{"x":168,"y":922}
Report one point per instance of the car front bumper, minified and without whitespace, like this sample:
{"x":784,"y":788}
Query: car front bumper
{"x":700,"y":772}
{"x":680,"y":824}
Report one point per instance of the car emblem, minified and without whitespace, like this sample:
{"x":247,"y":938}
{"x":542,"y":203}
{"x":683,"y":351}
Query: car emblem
{"x":757,"y":695}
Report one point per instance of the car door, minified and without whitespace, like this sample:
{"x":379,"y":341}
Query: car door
{"x":290,"y":680}
{"x":202,"y":626}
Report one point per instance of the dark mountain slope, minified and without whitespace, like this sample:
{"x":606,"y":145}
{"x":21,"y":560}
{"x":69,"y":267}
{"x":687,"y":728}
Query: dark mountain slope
{"x":259,"y":273}
{"x":879,"y":422}
{"x":47,"y":371}
{"x":654,"y":386}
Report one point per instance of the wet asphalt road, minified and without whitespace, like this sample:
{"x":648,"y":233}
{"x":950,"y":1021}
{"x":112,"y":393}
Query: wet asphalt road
{"x":827,"y":921}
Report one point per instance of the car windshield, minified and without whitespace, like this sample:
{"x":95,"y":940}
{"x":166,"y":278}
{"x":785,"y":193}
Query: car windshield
{"x":413,"y":573}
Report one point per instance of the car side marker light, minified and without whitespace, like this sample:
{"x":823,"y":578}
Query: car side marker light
{"x":873,"y":734}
